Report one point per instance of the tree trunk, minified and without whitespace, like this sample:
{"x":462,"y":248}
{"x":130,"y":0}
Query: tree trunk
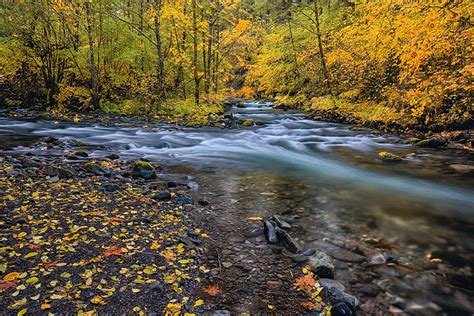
{"x":195,"y":55}
{"x":320,"y":46}
{"x":159,"y":50}
{"x":94,"y":86}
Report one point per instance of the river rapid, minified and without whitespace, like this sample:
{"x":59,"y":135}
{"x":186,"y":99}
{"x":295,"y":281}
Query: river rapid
{"x":328,"y":175}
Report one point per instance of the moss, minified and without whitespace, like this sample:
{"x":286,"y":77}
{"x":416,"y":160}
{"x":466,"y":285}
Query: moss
{"x":144,"y":165}
{"x":389,"y":157}
{"x":81,"y":153}
{"x":248,"y":123}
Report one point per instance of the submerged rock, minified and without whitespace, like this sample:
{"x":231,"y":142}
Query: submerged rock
{"x":280,"y":222}
{"x":248,"y":122}
{"x":81,"y":153}
{"x":343,"y":304}
{"x":163,"y":195}
{"x":433,"y":142}
{"x":287,"y":240}
{"x":389,"y":157}
{"x":143,"y":169}
{"x":322,"y":265}
{"x":269,"y":231}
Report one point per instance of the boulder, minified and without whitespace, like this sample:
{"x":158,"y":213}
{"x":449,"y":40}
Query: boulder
{"x":322,"y":265}
{"x":163,"y":195}
{"x":269,"y":231}
{"x":290,"y":244}
{"x":434,"y":142}
{"x":94,"y":168}
{"x":143,"y":169}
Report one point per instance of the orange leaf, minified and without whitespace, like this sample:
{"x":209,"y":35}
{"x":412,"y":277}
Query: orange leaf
{"x":50,"y":265}
{"x":310,"y":305}
{"x":212,"y":290}
{"x":113,"y":251}
{"x":306,"y":283}
{"x":12,"y":276}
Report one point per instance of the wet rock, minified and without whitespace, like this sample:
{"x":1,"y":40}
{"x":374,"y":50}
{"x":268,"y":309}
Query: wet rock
{"x":433,"y":142}
{"x":13,"y":204}
{"x":280,"y":222}
{"x":322,"y":265}
{"x":156,"y":287}
{"x":81,"y":153}
{"x":52,"y":171}
{"x":389,"y":157}
{"x":95,"y":168}
{"x":203,"y":202}
{"x":462,"y":168}
{"x":110,"y":187}
{"x":51,"y":140}
{"x":270,"y":233}
{"x":377,"y":259}
{"x":113,"y":156}
{"x":143,"y":169}
{"x":297,"y":258}
{"x":330,"y":283}
{"x":346,"y":303}
{"x":192,"y":185}
{"x":163,"y":195}
{"x":287,"y":240}
{"x":248,"y":123}
{"x":181,"y":199}
{"x":221,"y":312}
{"x":172,"y":184}
{"x":309,"y":252}
{"x":347,"y":256}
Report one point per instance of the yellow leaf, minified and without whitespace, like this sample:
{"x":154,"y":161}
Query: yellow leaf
{"x":45,"y":306}
{"x":136,"y":290}
{"x":155,"y":246}
{"x":32,"y":280}
{"x":22,"y":312}
{"x":198,"y":303}
{"x":255,"y":218}
{"x":22,"y":234}
{"x":30,"y":255}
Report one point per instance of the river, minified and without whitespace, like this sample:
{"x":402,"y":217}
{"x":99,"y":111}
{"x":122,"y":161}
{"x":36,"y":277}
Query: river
{"x":326,"y":174}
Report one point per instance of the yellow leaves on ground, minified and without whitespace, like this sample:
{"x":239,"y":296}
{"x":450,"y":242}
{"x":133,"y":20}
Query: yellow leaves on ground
{"x":98,"y":300}
{"x":198,"y":303}
{"x":31,"y":255}
{"x":255,"y":218}
{"x":114,"y":251}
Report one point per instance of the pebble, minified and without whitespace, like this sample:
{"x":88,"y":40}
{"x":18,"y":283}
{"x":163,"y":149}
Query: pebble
{"x":226,"y":264}
{"x":377,"y":259}
{"x":347,"y":256}
{"x":221,"y":312}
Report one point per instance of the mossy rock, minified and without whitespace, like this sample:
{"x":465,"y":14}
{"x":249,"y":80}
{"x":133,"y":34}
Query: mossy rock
{"x":240,"y":105}
{"x":247,"y":123}
{"x":433,"y":142}
{"x":95,"y":168}
{"x":389,"y":157}
{"x":143,"y":169}
{"x":81,"y":153}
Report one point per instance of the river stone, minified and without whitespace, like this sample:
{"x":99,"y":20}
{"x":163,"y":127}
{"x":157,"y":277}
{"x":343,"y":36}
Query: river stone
{"x":377,"y":259}
{"x":335,"y":296}
{"x":389,"y":157}
{"x":329,"y":283}
{"x":142,"y":169}
{"x":287,"y":240}
{"x":433,"y":142}
{"x":269,"y":231}
{"x":181,"y":199}
{"x":163,"y":195}
{"x":347,"y":256}
{"x":322,"y":265}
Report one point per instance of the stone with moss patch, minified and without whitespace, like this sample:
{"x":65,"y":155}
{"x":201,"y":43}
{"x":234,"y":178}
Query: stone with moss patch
{"x":143,"y":169}
{"x":81,"y":153}
{"x":389,"y":157}
{"x":95,"y":168}
{"x":248,"y":123}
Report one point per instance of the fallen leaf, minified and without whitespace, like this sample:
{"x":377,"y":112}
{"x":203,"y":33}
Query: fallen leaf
{"x":31,"y":255}
{"x":12,"y":276}
{"x":4,"y":285}
{"x":212,"y":290}
{"x":22,"y":312}
{"x":45,"y":306}
{"x":113,"y":251}
{"x":198,"y":303}
{"x":306,"y":283}
{"x":255,"y":218}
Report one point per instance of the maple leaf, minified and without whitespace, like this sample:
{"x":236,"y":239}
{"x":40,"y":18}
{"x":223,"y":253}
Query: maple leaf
{"x":113,"y":251}
{"x":306,"y":283}
{"x":310,"y":305}
{"x":212,"y":290}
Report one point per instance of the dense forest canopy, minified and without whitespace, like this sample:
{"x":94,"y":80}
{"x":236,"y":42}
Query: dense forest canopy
{"x":404,"y":60}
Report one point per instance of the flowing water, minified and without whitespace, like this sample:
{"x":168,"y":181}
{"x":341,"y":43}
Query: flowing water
{"x":328,"y":174}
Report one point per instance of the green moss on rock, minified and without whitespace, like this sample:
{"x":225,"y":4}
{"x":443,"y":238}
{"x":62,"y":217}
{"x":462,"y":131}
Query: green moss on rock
{"x":389,"y":157}
{"x":248,"y":123}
